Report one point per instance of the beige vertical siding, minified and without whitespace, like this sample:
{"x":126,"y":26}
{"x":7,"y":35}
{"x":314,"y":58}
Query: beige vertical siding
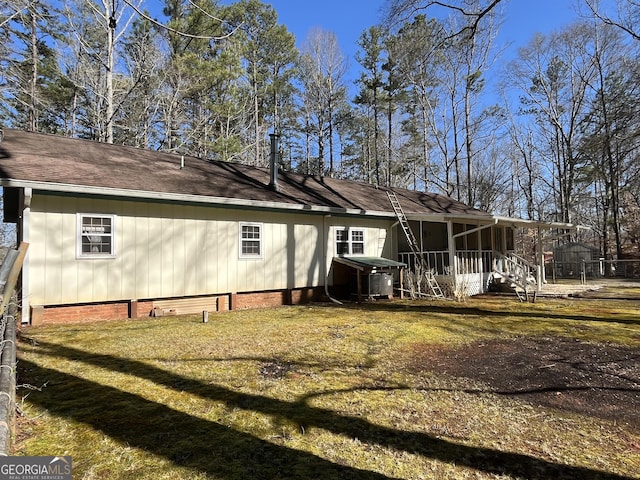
{"x":171,"y":250}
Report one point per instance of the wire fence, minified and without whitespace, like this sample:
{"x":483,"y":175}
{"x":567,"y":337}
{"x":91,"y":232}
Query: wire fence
{"x":593,"y":269}
{"x":9,"y":272}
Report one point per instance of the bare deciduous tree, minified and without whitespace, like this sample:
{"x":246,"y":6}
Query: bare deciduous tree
{"x":399,"y":11}
{"x":625,"y":17}
{"x":323,"y":66}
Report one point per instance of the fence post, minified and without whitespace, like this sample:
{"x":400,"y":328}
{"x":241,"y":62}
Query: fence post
{"x":12,"y":276}
{"x":8,"y":379}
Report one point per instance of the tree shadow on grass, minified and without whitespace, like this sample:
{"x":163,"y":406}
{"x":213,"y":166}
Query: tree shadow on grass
{"x":239,"y":455}
{"x":183,"y":439}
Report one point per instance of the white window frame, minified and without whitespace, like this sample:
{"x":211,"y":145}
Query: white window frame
{"x":82,"y":237}
{"x":350,"y":241}
{"x":242,"y":240}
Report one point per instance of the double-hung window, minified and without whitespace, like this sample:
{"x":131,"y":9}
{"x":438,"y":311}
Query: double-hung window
{"x":349,"y":241}
{"x":250,"y":240}
{"x":96,"y":237}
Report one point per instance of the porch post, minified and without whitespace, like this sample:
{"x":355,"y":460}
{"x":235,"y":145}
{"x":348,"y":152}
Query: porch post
{"x":542,"y":276}
{"x":493,"y":247}
{"x":479,"y":261}
{"x":453,"y":264}
{"x":504,"y":240}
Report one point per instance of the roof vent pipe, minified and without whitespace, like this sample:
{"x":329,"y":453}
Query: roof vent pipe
{"x":274,"y":161}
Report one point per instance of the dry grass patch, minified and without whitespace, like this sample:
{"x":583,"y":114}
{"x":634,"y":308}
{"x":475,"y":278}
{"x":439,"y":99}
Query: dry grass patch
{"x":317,"y":392}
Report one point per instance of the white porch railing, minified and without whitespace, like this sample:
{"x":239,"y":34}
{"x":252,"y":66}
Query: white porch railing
{"x":437,"y":261}
{"x":475,"y":269}
{"x":466,"y":261}
{"x":516,"y":268}
{"x":473,"y":261}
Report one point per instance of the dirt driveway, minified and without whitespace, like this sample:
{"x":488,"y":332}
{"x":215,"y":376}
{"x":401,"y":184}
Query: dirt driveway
{"x":590,"y":378}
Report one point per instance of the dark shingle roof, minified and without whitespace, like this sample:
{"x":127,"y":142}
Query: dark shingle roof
{"x":35,"y":157}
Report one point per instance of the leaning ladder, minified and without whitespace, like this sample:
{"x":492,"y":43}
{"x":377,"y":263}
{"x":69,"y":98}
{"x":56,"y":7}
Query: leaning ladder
{"x":432,"y":283}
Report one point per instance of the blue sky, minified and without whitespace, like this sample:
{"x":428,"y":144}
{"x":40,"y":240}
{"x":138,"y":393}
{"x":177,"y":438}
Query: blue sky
{"x":349,"y":18}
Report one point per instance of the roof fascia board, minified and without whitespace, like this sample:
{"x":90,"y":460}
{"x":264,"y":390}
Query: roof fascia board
{"x":520,"y":222}
{"x":494,"y":220}
{"x":450,"y":217}
{"x":243,"y":203}
{"x":192,"y":199}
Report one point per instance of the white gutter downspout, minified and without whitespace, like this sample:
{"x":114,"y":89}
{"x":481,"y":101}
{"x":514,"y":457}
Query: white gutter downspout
{"x":325,"y":250}
{"x":25,"y":234}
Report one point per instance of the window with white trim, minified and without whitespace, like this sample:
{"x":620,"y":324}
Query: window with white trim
{"x":250,"y":240}
{"x":349,"y":241}
{"x":96,"y":237}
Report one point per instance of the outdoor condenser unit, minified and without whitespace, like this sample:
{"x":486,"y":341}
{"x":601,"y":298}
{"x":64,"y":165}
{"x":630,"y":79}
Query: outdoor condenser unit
{"x":378,"y":284}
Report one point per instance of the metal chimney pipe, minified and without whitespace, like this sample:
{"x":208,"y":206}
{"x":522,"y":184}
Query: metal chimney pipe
{"x":274,"y":161}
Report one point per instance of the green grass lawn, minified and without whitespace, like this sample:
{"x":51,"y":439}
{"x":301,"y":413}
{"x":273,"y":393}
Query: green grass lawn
{"x":315,"y":392}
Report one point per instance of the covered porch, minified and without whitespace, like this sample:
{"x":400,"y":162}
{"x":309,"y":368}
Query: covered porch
{"x":470,"y":256}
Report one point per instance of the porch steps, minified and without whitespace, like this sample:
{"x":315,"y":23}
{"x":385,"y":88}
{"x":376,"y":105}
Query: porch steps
{"x":430,"y":278}
{"x":518,"y":284}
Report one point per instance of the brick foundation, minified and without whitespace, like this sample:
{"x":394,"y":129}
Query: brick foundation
{"x":88,"y":312}
{"x":57,"y":314}
{"x":278,"y":298}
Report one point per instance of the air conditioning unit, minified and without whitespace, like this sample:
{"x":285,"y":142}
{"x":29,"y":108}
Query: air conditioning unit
{"x":378,"y":284}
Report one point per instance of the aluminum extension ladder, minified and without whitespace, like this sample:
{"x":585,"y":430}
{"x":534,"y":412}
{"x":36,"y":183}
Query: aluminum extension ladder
{"x":432,"y":283}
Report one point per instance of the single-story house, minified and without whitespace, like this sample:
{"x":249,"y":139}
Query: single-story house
{"x":116,"y":232}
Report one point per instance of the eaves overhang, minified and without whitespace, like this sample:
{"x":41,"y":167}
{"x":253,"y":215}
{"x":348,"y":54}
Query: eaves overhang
{"x":489,"y":219}
{"x":63,"y":188}
{"x":451,"y":217}
{"x":522,"y":223}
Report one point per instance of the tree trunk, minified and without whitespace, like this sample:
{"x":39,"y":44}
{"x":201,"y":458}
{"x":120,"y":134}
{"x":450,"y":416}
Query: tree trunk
{"x":330,"y":114}
{"x":389,"y":143}
{"x":256,"y":118}
{"x":468,"y":147}
{"x":376,"y":135}
{"x":33,"y":122}
{"x":109,"y":76}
